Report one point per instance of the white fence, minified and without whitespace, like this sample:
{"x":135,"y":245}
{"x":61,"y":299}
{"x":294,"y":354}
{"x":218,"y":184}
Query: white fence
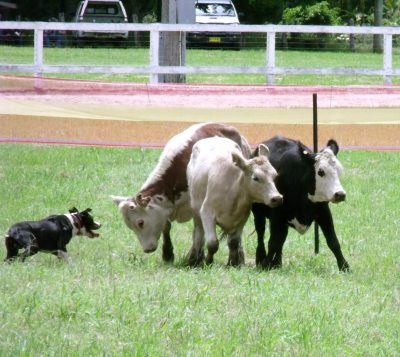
{"x":153,"y":69}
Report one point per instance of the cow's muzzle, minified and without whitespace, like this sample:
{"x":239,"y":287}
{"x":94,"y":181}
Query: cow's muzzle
{"x":339,"y":196}
{"x":276,"y":201}
{"x":150,"y":250}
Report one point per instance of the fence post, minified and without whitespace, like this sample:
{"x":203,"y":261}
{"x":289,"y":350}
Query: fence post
{"x":38,"y":57}
{"x":270,"y":57}
{"x":154,"y":54}
{"x":387,"y":58}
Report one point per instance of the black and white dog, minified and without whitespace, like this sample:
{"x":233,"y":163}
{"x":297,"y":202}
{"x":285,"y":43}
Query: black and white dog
{"x":50,"y":235}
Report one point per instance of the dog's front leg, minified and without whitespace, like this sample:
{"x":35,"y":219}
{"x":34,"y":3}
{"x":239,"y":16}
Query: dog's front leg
{"x":63,"y":255}
{"x":12,"y":248}
{"x":29,"y":250}
{"x":29,"y":242}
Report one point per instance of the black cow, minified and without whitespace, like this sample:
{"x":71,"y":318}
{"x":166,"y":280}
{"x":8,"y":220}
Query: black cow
{"x":308,"y":182}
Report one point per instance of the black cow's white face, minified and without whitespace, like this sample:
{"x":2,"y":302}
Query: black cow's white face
{"x":327,"y":177}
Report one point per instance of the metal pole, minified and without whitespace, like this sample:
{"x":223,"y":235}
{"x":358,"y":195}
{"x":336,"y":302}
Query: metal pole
{"x":315,"y":142}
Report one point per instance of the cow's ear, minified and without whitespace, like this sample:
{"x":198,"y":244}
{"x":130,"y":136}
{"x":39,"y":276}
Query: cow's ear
{"x":263,"y":150}
{"x":118,"y":199}
{"x":239,"y":161}
{"x":333,"y":145}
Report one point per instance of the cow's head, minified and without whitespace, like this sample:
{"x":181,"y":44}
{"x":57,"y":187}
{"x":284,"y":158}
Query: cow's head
{"x":146,"y":216}
{"x":327,"y":171}
{"x":260,"y":176}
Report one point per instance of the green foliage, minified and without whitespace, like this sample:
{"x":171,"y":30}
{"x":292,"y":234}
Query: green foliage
{"x":391,"y":12}
{"x":112,"y":299}
{"x":318,"y":14}
{"x":259,"y":11}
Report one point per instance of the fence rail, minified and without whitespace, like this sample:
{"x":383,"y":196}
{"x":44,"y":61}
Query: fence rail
{"x":154,"y":68}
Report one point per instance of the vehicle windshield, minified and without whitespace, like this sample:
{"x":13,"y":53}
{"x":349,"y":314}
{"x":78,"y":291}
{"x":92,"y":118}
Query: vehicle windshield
{"x":101,"y":9}
{"x":214,"y":10}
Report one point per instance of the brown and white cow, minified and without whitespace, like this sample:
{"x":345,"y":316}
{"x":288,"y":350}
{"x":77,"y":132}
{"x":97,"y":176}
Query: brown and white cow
{"x":163,"y":198}
{"x":222,"y":187}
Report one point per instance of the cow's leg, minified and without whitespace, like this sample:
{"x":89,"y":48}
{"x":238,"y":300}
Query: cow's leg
{"x":196,"y":253}
{"x":278,"y":234}
{"x":259,"y":223}
{"x":325,"y":221}
{"x":209,"y":225}
{"x":195,"y":256}
{"x":167,"y":247}
{"x":236,"y":253}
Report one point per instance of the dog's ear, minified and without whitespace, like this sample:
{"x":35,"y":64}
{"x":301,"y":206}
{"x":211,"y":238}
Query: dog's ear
{"x":88,"y":210}
{"x":73,"y":210}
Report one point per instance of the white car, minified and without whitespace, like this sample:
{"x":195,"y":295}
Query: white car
{"x":101,"y":11}
{"x":216,"y":12}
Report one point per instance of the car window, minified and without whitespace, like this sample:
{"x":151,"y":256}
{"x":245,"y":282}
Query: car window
{"x":214,"y":10}
{"x":100,"y":9}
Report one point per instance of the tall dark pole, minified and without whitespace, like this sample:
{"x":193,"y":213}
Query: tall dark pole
{"x":315,"y":142}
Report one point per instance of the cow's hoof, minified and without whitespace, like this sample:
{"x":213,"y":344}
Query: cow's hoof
{"x":236,"y":259}
{"x":195,"y":263}
{"x":345,"y":267}
{"x":168,"y":257}
{"x":209,"y":259}
{"x":194,"y":258}
{"x":233,"y":262}
{"x":267,"y":265}
{"x":260,"y":258}
{"x":241,"y":257}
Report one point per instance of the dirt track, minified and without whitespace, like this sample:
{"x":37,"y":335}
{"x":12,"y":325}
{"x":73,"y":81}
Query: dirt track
{"x":113,"y":132}
{"x":356,"y":117}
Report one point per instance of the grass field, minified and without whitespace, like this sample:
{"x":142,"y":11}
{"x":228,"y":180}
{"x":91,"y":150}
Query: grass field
{"x":112,"y":299}
{"x":246,"y":57}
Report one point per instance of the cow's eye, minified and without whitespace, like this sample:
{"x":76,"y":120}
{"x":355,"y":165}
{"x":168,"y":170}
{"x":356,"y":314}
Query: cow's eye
{"x":256,"y":179}
{"x":140,"y":223}
{"x":321,"y":173}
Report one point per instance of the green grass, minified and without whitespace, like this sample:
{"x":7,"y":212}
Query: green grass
{"x":113,"y":299}
{"x":245,"y":57}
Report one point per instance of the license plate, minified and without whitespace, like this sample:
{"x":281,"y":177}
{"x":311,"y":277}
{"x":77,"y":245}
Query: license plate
{"x":214,"y":39}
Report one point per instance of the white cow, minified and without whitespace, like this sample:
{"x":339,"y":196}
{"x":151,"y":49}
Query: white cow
{"x":163,"y":198}
{"x":222,"y":187}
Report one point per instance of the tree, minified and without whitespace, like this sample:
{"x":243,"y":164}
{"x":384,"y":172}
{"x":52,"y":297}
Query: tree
{"x":259,"y":11}
{"x":139,"y":8}
{"x":378,"y":19}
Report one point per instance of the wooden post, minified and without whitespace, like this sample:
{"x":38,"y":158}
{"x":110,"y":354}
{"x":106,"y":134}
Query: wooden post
{"x":172,"y":44}
{"x":315,"y":148}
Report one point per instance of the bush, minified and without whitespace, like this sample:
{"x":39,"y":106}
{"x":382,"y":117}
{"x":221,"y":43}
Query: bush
{"x":317,"y":14}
